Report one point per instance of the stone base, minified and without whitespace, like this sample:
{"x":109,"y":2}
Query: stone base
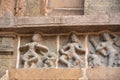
{"x":45,"y":74}
{"x":103,"y":73}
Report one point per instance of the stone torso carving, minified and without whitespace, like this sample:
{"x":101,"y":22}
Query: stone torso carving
{"x":71,"y":52}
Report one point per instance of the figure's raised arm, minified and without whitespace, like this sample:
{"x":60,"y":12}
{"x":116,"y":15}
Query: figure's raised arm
{"x":24,"y":47}
{"x":42,"y":47}
{"x":64,"y":49}
{"x":80,"y":48}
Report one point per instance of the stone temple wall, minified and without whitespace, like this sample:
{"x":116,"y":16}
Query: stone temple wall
{"x":59,"y":39}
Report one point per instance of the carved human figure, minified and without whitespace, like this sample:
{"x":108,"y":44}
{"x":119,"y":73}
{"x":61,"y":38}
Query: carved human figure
{"x":108,"y":45}
{"x":70,"y":52}
{"x":93,"y":59}
{"x":32,"y":58}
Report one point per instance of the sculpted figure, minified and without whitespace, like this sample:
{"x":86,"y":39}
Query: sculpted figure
{"x":32,"y":58}
{"x":93,"y":59}
{"x":71,"y":51}
{"x":108,"y":45}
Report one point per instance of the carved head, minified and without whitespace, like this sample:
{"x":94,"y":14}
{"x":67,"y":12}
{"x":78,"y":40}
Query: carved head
{"x":106,"y":37}
{"x":73,"y":38}
{"x":36,"y":38}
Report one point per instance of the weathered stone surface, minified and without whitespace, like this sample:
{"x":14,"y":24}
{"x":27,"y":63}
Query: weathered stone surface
{"x":66,"y":7}
{"x":33,"y":7}
{"x":65,"y":3}
{"x":7,"y":49}
{"x":63,"y":20}
{"x":115,"y":18}
{"x":45,"y":74}
{"x":7,"y":6}
{"x":102,"y":73}
{"x":57,"y":19}
{"x":5,"y":77}
{"x":19,"y":22}
{"x":102,"y":6}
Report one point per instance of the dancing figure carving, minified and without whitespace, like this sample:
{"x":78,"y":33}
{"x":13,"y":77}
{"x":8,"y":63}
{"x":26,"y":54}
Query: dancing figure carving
{"x":71,"y":51}
{"x":32,"y":58}
{"x":108,"y":45}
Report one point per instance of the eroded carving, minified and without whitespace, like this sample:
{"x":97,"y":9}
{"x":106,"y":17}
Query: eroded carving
{"x":49,"y":60}
{"x":93,"y":58}
{"x":108,"y":47}
{"x":70,"y":53}
{"x":37,"y":55}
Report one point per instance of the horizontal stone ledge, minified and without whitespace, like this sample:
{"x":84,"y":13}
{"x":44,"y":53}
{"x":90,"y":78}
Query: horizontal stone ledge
{"x":39,"y":74}
{"x":62,"y":29}
{"x":62,"y":20}
{"x":14,"y":22}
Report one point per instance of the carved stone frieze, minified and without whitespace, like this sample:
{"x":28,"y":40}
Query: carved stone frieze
{"x":70,"y":53}
{"x":36,"y":55}
{"x":105,"y":50}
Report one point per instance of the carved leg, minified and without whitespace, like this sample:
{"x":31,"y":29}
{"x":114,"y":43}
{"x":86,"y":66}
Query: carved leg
{"x":33,"y":65}
{"x":77,"y":58}
{"x":63,"y":59}
{"x":111,"y":59}
{"x":26,"y":64}
{"x":49,"y":63}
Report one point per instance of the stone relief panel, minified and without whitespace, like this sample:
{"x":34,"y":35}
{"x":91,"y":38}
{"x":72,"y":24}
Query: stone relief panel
{"x":38,"y":53}
{"x":7,"y":50}
{"x":72,"y":51}
{"x":104,"y":50}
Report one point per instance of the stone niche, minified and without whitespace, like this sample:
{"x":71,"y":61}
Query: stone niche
{"x":7,"y":52}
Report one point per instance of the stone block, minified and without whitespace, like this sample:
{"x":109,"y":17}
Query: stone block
{"x":45,"y":74}
{"x":65,"y":12}
{"x":102,"y":6}
{"x":114,"y":18}
{"x":65,"y":3}
{"x":7,"y":6}
{"x":102,"y":73}
{"x":33,"y":7}
{"x":66,"y":7}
